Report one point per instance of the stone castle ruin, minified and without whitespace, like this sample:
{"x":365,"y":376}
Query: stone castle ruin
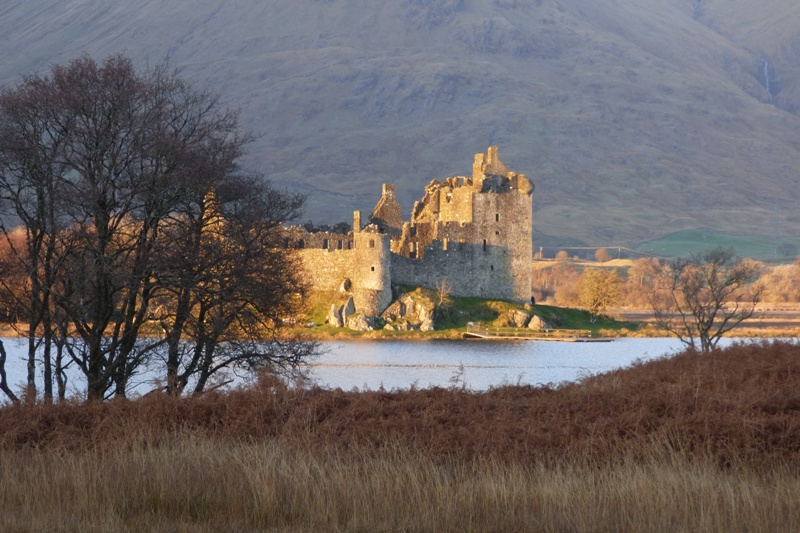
{"x":472,"y":234}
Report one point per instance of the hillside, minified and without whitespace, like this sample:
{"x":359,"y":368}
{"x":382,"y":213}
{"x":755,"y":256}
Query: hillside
{"x":634,"y":121}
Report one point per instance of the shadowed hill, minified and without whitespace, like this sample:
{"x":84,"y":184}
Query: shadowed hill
{"x":633,"y":120}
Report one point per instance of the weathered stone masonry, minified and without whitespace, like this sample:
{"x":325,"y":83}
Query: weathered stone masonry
{"x":473,"y":234}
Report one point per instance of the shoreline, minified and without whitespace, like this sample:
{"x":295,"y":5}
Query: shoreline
{"x":769,"y":323}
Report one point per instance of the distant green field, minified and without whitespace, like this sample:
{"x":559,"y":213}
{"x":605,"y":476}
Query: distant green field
{"x":763,"y":248}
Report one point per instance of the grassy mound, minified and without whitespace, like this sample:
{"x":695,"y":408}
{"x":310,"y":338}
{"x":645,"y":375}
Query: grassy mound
{"x":454,"y":314}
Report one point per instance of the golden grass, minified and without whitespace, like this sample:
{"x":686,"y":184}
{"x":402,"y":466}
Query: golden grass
{"x":202,"y":484}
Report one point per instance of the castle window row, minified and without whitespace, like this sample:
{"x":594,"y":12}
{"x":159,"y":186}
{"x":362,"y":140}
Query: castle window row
{"x":414,"y":248}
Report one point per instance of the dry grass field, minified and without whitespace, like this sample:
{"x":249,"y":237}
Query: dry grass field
{"x":694,"y":442}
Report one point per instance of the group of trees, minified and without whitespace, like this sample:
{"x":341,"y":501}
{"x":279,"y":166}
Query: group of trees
{"x":131,"y":238}
{"x":698,"y":299}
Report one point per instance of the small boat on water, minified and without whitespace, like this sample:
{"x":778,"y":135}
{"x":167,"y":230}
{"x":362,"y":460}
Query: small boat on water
{"x":476,"y":330}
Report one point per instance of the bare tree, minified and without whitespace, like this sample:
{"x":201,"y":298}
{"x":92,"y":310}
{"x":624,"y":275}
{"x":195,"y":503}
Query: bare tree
{"x":641,"y":281}
{"x":227,"y":286}
{"x":97,"y":161}
{"x":601,"y":255}
{"x":31,"y":174}
{"x":3,"y":380}
{"x":444,"y":301}
{"x":706,"y":297}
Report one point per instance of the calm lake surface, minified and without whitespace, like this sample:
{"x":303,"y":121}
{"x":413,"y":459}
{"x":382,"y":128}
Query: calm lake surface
{"x":478,"y":365}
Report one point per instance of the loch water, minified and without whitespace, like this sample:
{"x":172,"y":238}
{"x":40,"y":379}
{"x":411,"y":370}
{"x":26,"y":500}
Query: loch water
{"x":476,"y":365}
{"x":401,"y":364}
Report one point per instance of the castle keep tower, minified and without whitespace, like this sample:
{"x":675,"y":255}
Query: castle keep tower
{"x":472,"y":233}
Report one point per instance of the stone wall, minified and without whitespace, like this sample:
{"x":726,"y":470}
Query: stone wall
{"x":327,"y":269}
{"x":362,"y":257}
{"x":475,"y":234}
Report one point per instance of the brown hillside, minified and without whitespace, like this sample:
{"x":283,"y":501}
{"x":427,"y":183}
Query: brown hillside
{"x":633,"y":119}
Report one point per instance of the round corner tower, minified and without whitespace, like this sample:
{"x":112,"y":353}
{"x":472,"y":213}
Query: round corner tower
{"x":372,"y":280}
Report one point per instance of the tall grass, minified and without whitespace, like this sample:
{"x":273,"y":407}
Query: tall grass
{"x":693,"y":442}
{"x":207,"y":484}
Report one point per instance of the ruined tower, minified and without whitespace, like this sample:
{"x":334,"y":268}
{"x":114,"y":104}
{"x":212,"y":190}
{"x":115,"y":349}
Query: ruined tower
{"x":472,"y":233}
{"x":388,"y":215}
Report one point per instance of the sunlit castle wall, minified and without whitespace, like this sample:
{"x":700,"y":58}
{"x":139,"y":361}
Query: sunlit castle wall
{"x":361,"y":256}
{"x":372,"y":276}
{"x":471,"y":235}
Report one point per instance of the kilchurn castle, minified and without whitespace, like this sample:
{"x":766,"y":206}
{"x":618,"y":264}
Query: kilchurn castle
{"x":472,"y":233}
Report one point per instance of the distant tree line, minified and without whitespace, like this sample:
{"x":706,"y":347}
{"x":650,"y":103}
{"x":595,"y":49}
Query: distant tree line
{"x":698,"y":299}
{"x":131,"y":239}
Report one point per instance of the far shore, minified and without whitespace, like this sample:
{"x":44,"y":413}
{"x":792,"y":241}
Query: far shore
{"x":770,"y":320}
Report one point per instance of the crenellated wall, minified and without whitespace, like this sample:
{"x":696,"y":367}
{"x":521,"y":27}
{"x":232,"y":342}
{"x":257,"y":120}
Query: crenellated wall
{"x":360,"y":256}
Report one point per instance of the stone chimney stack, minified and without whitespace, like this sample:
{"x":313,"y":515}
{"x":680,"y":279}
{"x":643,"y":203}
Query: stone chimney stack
{"x":477,"y":166}
{"x":356,"y":221}
{"x":492,"y":156}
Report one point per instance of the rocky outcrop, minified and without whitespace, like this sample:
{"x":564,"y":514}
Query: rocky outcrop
{"x":409,"y":305}
{"x":514,"y":318}
{"x":334,"y":317}
{"x":395,"y":311}
{"x":348,"y":309}
{"x":537,"y":324}
{"x":518,"y":319}
{"x":361,"y":323}
{"x":409,"y":313}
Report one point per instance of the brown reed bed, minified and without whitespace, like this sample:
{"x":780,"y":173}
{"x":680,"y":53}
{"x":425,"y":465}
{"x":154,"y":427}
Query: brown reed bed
{"x":693,"y":442}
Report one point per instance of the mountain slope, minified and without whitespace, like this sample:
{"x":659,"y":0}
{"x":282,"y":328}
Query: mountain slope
{"x":632,"y":120}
